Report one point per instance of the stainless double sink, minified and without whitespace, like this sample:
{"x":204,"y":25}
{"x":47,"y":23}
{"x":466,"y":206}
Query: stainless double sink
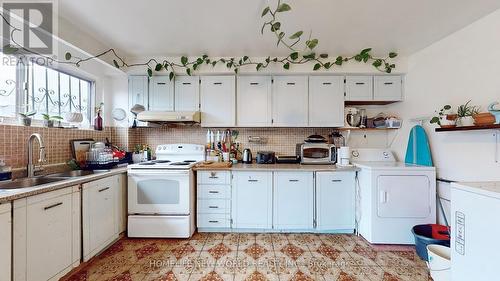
{"x":52,"y":178}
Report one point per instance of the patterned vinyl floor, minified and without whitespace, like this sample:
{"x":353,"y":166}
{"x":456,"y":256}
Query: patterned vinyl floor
{"x":253,"y":257}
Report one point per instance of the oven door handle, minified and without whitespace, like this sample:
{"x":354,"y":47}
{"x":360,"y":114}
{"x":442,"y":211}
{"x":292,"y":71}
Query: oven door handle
{"x":159,"y":172}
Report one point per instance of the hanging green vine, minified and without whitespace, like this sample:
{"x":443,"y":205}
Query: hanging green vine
{"x":295,"y":57}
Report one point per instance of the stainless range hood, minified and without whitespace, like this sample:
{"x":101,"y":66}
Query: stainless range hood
{"x":169,"y":116}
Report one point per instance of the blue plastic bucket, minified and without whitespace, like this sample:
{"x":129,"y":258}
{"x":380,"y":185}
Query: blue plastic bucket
{"x":423,"y":237}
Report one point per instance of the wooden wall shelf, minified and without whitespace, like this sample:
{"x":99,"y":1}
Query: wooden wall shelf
{"x":364,"y":129}
{"x":469,"y":128}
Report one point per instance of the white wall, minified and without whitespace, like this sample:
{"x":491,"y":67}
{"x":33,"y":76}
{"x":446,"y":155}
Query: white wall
{"x":463,"y":66}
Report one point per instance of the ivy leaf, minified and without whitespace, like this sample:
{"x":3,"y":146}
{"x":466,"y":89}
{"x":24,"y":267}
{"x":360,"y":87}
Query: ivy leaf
{"x":265,"y":11}
{"x":188,"y":71}
{"x":158,"y":67}
{"x":284,"y":7}
{"x":67,"y":56}
{"x":309,"y":56}
{"x":323,"y":56}
{"x":311,"y":44}
{"x":184,"y":60}
{"x":275,"y":59}
{"x":358,"y":58}
{"x":317,"y":66}
{"x":214,"y":63}
{"x":328,"y":65}
{"x":393,"y":55}
{"x":366,"y":51}
{"x":339,"y":60}
{"x":171,"y":75}
{"x":296,"y":35}
{"x":447,"y":107}
{"x":280,"y":36}
{"x":150,"y":72}
{"x":114,"y":62}
{"x":286,"y":66}
{"x":236,"y":71}
{"x":199,"y":61}
{"x":377,"y":63}
{"x":195,"y":66}
{"x":294,"y":55}
{"x":165,"y":66}
{"x":268,"y":59}
{"x":205,"y":56}
{"x":435,"y":120}
{"x":259,"y":66}
{"x":275,"y":26}
{"x":245,"y":58}
{"x":9,"y":50}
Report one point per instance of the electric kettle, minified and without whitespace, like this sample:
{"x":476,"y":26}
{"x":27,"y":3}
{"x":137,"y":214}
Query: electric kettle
{"x":247,"y":156}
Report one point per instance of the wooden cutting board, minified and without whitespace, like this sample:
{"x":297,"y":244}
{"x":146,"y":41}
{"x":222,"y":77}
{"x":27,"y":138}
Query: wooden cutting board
{"x":213,"y":165}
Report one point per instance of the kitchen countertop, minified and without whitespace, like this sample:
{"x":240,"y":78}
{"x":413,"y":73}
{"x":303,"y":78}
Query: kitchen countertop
{"x":14,"y":194}
{"x":283,"y":167}
{"x":487,"y":188}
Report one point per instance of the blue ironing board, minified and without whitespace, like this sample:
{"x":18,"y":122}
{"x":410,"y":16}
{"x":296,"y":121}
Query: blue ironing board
{"x":418,"y":151}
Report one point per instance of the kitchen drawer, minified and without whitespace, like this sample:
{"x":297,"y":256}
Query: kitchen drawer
{"x":214,"y":177}
{"x":213,"y":206}
{"x":213,"y":220}
{"x":214,"y":191}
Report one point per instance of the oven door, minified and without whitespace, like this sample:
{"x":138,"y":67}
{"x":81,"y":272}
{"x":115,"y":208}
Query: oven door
{"x":159,"y":192}
{"x":316,"y":154}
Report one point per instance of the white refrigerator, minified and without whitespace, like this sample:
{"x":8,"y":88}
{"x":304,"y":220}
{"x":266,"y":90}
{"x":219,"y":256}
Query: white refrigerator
{"x":475,"y":231}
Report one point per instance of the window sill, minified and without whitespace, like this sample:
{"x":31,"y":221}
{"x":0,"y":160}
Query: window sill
{"x":11,"y":121}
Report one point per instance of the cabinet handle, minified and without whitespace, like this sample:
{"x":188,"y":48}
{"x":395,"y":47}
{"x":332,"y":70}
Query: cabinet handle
{"x":293,"y":180}
{"x":103,"y":189}
{"x":253,"y":180}
{"x":213,"y":221}
{"x":213,"y":207}
{"x":360,"y":83}
{"x":213,"y":177}
{"x":217,"y":83}
{"x":215,"y":192}
{"x":388,"y":83}
{"x":327,"y":83}
{"x":290,"y":83}
{"x":186,"y":83}
{"x":336,"y":180}
{"x":161,"y":83}
{"x":53,"y":206}
{"x":254,"y":83}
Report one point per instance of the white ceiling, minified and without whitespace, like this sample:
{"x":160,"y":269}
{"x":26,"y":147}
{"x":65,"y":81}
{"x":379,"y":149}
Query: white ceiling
{"x":232,"y":27}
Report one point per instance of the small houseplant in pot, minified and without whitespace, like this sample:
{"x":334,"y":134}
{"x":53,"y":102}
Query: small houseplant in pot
{"x":48,"y":120}
{"x":25,"y":118}
{"x":446,"y":118}
{"x":465,"y":113}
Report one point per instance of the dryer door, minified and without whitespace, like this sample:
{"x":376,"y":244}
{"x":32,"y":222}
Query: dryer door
{"x":403,"y":196}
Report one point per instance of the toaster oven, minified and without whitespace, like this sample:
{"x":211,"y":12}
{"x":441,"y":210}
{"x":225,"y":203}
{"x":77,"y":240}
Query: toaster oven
{"x":318,"y":153}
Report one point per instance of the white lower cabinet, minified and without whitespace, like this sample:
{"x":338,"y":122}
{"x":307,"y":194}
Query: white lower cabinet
{"x":46,"y":228}
{"x":252,"y":200}
{"x":5,"y":241}
{"x":99,"y":207}
{"x":335,"y":201}
{"x":293,"y":200}
{"x":214,"y":200}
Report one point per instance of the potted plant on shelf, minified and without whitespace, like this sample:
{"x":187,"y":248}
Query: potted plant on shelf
{"x":465,"y":113}
{"x":26,"y":117}
{"x":48,"y":120}
{"x":446,"y":118}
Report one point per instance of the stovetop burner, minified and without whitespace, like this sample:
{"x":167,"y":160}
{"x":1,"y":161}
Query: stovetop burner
{"x":190,"y":161}
{"x":161,"y":161}
{"x":180,"y":163}
{"x":147,"y":163}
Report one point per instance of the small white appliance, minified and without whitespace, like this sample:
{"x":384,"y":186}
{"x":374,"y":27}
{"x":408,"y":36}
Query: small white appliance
{"x":392,"y":197}
{"x":475,"y":231}
{"x":318,"y":153}
{"x":343,"y":156}
{"x":161,"y":193}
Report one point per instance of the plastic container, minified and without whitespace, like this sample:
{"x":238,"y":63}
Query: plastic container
{"x":439,"y":262}
{"x":426,"y":234}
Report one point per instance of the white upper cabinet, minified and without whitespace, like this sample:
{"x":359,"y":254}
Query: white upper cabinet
{"x":187,"y":93}
{"x":218,"y":101}
{"x":359,"y":88}
{"x":387,"y":88}
{"x":326,"y":101}
{"x":254,"y":101}
{"x":138,"y":91}
{"x":290,"y":98}
{"x":161,"y":94}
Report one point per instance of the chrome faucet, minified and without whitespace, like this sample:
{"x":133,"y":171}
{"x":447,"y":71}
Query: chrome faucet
{"x":31,"y":167}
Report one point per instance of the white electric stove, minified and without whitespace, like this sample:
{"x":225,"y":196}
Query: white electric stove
{"x":161,"y":193}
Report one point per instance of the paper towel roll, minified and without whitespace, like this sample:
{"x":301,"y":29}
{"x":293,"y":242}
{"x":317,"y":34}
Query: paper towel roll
{"x":344,"y":154}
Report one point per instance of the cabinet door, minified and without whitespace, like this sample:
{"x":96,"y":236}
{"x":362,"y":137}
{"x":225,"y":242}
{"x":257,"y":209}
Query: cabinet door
{"x":120,"y":200}
{"x":218,"y":101}
{"x":138,"y":91}
{"x":387,"y":88}
{"x":335,"y":200}
{"x":252,"y":200}
{"x":293,"y":200}
{"x":161,"y":95}
{"x":48,"y":237}
{"x":359,"y":88}
{"x":326,"y":101}
{"x":187,"y":93}
{"x":290,"y":97}
{"x":5,"y":242}
{"x":254,"y":101}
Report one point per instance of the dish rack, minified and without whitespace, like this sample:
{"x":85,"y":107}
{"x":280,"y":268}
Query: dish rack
{"x":99,"y":158}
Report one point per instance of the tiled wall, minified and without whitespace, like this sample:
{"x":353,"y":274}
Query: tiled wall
{"x":13,"y":142}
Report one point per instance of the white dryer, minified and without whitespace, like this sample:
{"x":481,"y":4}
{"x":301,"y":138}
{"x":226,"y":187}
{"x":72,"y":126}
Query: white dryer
{"x":392,"y":196}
